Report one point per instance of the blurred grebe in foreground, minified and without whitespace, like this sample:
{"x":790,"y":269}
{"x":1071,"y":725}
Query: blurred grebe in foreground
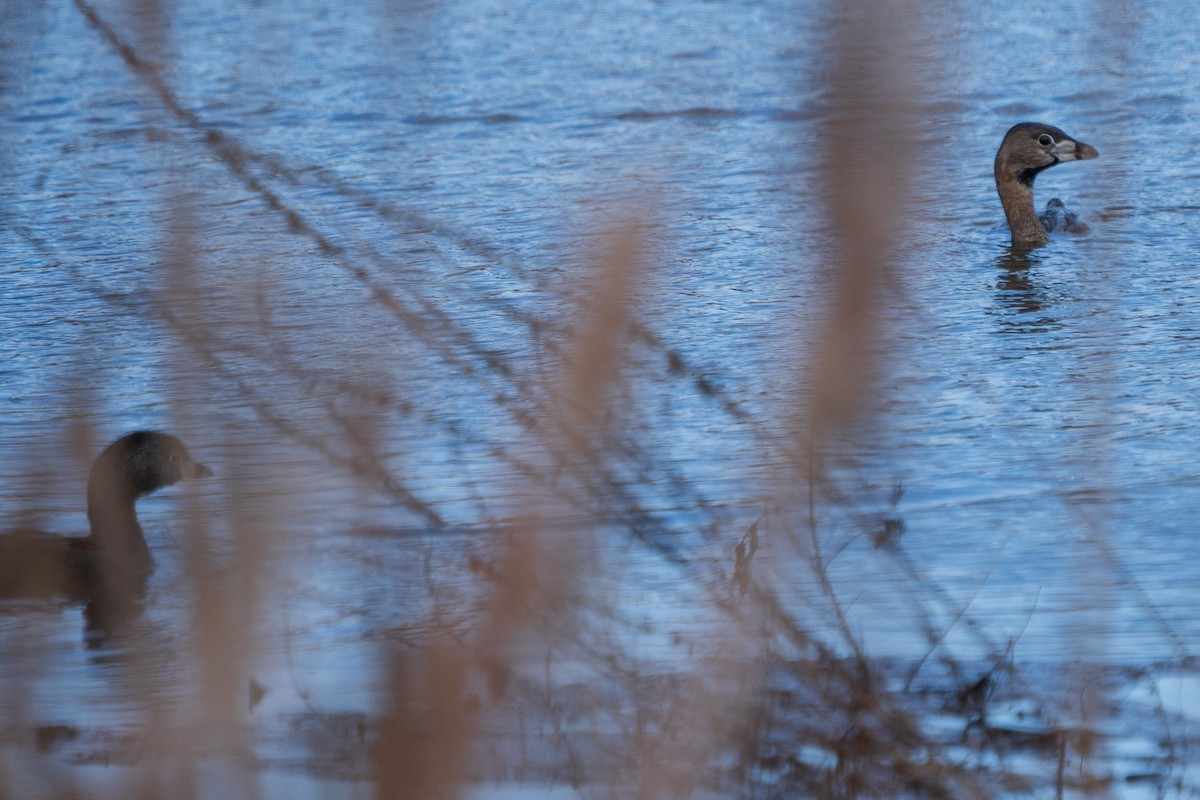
{"x":1028,"y":149}
{"x":113,"y":561}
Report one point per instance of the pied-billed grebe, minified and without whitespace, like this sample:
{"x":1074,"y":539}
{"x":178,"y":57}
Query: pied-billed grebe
{"x":114,"y":557}
{"x":1028,"y":149}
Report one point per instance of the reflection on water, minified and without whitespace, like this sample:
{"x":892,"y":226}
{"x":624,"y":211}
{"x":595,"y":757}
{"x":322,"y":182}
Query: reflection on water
{"x":452,"y":293}
{"x":1018,"y":294}
{"x":1023,"y":305}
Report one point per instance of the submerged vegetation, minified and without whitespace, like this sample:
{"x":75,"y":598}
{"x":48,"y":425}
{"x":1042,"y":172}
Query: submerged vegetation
{"x":523,"y":641}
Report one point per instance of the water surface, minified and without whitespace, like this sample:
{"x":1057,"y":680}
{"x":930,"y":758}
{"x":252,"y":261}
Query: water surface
{"x":295,"y":234}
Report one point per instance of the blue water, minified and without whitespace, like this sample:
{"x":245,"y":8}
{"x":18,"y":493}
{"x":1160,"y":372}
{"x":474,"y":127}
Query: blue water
{"x":313,"y":222}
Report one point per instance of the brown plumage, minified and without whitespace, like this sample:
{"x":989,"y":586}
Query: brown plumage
{"x":114,"y":558}
{"x":1028,"y":149}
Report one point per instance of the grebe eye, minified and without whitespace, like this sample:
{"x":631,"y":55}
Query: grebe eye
{"x":1045,"y":140}
{"x":176,"y":459}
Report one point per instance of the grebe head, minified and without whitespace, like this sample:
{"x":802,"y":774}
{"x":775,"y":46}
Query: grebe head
{"x":142,"y":462}
{"x":1030,"y":147}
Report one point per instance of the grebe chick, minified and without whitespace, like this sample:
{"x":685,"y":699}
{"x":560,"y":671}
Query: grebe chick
{"x":1027,"y":149}
{"x":1056,"y":217}
{"x":114,"y":558}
